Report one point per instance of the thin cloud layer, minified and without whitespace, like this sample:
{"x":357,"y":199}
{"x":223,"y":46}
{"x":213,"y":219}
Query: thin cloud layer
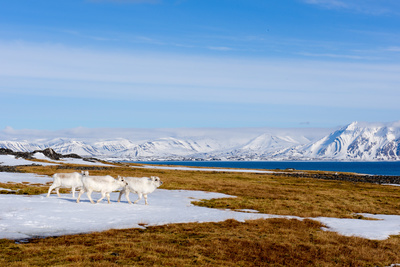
{"x":77,"y":73}
{"x":370,"y":7}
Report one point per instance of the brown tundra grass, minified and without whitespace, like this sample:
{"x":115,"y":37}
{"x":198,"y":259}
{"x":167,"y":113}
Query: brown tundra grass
{"x":270,"y":242}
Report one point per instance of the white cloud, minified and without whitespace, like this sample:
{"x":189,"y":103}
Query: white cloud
{"x":327,"y":55}
{"x":328,"y":3}
{"x":393,"y":49}
{"x":220,"y":48}
{"x":371,"y":7}
{"x":28,"y":69}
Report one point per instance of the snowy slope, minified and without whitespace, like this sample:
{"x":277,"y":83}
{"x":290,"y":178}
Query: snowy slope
{"x":81,"y":148}
{"x":111,"y":147}
{"x":21,"y":146}
{"x":356,"y":141}
{"x":266,"y":146}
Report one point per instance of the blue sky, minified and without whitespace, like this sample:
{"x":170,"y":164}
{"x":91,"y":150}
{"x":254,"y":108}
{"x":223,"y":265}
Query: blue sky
{"x":198,"y":63}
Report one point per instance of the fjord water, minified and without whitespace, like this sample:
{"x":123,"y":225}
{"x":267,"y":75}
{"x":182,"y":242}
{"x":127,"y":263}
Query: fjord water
{"x":372,"y":168}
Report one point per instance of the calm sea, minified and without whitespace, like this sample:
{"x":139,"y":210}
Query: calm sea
{"x":373,"y":168}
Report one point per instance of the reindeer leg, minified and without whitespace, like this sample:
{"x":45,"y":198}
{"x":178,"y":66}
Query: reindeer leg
{"x":50,"y":189}
{"x":120,"y":194}
{"x":89,"y":194}
{"x":140,"y":197}
{"x":127,"y":195}
{"x":108,"y":197}
{"x":103,"y":195}
{"x":79,"y":195}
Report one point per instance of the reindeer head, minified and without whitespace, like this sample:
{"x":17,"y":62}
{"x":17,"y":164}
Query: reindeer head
{"x":156,"y":181}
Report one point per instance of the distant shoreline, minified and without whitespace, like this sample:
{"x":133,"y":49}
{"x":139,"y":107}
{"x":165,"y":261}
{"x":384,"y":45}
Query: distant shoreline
{"x":382,"y":168}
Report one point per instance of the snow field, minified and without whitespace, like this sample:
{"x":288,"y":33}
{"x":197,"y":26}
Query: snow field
{"x":10,"y":160}
{"x":24,"y":177}
{"x":23,"y":217}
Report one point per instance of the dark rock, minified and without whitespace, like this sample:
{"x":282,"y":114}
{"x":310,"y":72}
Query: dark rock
{"x":375,"y":179}
{"x":25,"y":155}
{"x":6,"y":151}
{"x":72,"y":155}
{"x":50,"y":153}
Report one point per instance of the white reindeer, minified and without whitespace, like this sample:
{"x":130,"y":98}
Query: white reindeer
{"x":142,"y":186}
{"x":67,"y":180}
{"x":103,"y":184}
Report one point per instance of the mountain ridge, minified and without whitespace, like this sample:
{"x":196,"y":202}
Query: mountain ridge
{"x":355,"y":141}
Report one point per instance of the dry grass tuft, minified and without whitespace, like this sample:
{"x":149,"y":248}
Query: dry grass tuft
{"x":25,"y":189}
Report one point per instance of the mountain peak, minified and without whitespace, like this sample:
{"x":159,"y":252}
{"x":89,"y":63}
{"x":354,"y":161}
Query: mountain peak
{"x":359,"y":141}
{"x":356,"y":141}
{"x":352,"y":126}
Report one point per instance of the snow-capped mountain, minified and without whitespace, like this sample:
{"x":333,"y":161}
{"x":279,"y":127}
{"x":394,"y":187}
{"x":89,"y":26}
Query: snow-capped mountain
{"x":163,"y":147}
{"x":21,"y":146}
{"x":263,"y":147}
{"x":81,"y":148}
{"x":356,"y":141}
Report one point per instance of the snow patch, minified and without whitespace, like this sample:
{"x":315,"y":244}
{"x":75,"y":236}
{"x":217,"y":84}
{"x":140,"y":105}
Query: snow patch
{"x":23,"y":217}
{"x":6,"y":177}
{"x":10,"y":160}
